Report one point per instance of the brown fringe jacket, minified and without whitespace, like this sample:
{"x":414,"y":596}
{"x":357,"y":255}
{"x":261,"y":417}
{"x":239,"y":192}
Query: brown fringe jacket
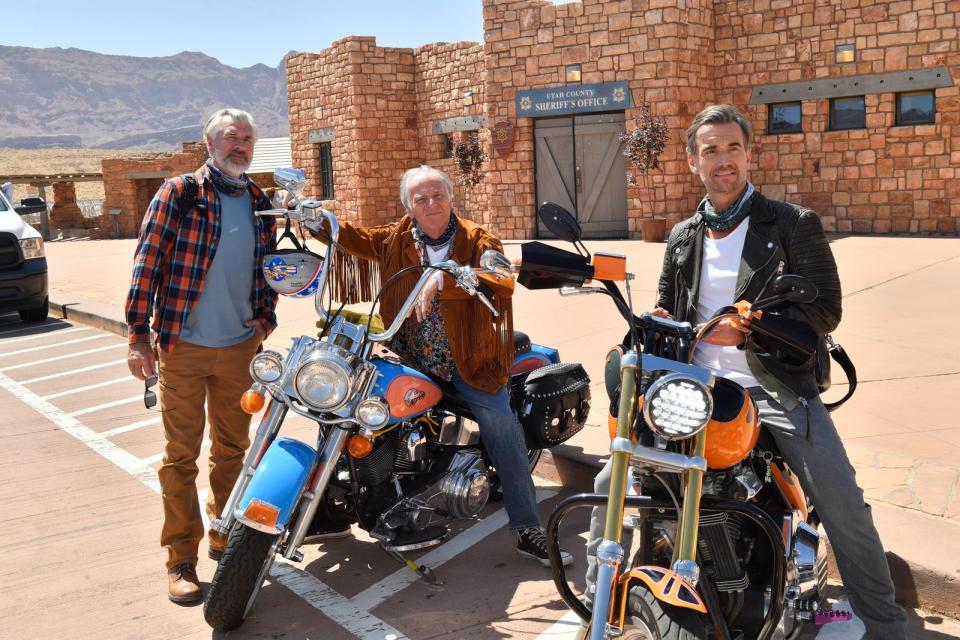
{"x":481,"y":345}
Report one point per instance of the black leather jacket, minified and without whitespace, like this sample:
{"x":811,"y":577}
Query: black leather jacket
{"x":783,"y":238}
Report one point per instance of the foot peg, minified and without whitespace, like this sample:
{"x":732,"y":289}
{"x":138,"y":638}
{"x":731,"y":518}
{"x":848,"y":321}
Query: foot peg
{"x":826,"y":616}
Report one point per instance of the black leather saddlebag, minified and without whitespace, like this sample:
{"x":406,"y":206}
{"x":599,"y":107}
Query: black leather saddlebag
{"x":554,"y":404}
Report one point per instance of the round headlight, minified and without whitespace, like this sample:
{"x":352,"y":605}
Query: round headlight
{"x":373,"y":413}
{"x":266,"y":367}
{"x":322,"y":384}
{"x":677,"y":407}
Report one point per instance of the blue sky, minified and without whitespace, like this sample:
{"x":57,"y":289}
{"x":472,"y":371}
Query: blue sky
{"x":239,"y":33}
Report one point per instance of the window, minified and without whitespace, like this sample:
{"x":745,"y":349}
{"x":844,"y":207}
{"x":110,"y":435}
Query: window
{"x":783,"y":117}
{"x":448,"y":145}
{"x":847,"y":113}
{"x":326,"y":171}
{"x":916,"y":107}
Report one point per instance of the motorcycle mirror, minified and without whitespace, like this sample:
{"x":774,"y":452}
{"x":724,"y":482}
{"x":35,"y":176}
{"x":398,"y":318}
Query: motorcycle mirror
{"x":793,"y":288}
{"x":559,"y":222}
{"x":493,"y":260}
{"x":292,"y":180}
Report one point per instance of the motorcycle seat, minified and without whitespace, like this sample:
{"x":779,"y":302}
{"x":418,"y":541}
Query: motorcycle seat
{"x":521,"y":342}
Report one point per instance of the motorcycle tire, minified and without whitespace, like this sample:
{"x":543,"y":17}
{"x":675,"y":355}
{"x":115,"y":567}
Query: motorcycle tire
{"x":243,"y":567}
{"x":650,"y":619}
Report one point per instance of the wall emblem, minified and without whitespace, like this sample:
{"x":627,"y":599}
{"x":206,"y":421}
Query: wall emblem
{"x":503,"y":137}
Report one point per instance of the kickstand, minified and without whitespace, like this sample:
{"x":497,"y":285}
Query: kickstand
{"x":426,"y":573}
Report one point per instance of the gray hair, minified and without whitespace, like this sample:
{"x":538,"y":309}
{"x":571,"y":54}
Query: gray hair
{"x":423,"y":171}
{"x":222,"y":118}
{"x":717,"y":114}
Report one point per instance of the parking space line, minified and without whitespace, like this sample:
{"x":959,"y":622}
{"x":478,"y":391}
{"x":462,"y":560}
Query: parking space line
{"x":131,"y":427}
{"x":73,"y":427}
{"x":73,"y":371}
{"x":372,"y":597}
{"x":56,"y":344}
{"x":47,"y":334}
{"x":34,"y":327}
{"x":346,"y":613}
{"x":563,"y":629}
{"x":106,"y":405}
{"x":60,"y":394}
{"x":66,"y":355}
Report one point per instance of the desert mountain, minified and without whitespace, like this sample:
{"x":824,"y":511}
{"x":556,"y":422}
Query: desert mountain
{"x":49,"y":96}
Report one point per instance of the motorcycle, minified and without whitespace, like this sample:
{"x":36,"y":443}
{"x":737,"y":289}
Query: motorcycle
{"x":396,"y":451}
{"x":728,"y":544}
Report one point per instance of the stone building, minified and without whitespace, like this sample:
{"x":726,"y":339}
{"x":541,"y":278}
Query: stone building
{"x":855,"y":105}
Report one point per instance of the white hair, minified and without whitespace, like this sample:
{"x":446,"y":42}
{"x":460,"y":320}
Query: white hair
{"x":423,"y":171}
{"x":221,"y":119}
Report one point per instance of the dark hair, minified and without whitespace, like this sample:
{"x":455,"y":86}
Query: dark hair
{"x":717,"y":114}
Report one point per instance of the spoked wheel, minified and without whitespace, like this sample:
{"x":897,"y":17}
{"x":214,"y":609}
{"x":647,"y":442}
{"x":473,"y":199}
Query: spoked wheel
{"x":650,"y":619}
{"x":247,"y":558}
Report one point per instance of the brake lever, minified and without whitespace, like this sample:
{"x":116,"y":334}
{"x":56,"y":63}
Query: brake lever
{"x":468,"y":281}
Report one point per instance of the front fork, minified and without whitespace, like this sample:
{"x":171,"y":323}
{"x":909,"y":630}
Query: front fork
{"x":610,"y":553}
{"x":266,"y":434}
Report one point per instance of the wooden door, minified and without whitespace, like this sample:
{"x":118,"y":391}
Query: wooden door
{"x":579,"y":167}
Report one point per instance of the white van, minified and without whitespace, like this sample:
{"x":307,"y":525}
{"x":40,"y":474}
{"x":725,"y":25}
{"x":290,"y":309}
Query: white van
{"x":23,"y":267}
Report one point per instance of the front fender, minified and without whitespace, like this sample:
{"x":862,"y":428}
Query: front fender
{"x":276,"y":486}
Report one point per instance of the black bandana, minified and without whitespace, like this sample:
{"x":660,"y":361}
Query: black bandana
{"x":729,"y":217}
{"x":226,"y":185}
{"x":444,"y":238}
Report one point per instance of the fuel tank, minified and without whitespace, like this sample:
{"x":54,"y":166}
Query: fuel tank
{"x":408,"y":392}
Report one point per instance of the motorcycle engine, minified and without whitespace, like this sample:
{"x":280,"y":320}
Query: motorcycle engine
{"x":465,"y":489}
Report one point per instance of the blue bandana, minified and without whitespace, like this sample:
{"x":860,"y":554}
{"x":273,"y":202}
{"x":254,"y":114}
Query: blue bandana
{"x":729,"y":217}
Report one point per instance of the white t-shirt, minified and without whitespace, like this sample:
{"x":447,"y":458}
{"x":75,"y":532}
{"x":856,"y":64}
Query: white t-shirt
{"x":718,"y":284}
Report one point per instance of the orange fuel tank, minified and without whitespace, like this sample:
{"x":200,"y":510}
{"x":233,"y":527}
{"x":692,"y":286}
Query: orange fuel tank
{"x":734,"y":427}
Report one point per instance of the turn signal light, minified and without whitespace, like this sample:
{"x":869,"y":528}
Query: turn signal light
{"x":359,"y":446}
{"x":262,"y":512}
{"x":252,"y":401}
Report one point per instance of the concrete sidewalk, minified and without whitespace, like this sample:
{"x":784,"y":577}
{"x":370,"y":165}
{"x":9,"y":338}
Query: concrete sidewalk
{"x":899,"y":428}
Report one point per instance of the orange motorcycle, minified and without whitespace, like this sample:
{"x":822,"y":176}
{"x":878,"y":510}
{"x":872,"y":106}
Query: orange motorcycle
{"x":728,"y":543}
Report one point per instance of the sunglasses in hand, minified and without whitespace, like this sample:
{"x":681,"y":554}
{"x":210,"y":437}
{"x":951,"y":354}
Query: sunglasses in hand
{"x":149,"y":395}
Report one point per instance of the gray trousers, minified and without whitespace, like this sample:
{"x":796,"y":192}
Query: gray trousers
{"x":820,"y":462}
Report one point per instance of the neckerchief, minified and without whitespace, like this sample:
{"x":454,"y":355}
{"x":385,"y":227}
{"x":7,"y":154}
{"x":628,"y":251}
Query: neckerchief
{"x":444,"y":238}
{"x":729,"y":217}
{"x":226,"y":185}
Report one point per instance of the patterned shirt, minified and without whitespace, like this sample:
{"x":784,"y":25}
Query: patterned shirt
{"x":173,"y":254}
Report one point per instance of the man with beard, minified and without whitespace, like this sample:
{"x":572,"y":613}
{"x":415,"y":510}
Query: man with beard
{"x":735,"y":243}
{"x":197,"y":275}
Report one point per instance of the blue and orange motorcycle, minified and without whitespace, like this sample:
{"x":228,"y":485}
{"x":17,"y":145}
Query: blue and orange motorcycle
{"x":395,"y":451}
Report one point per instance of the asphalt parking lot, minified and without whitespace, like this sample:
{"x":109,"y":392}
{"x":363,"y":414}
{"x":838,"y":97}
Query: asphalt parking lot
{"x":80,"y":552}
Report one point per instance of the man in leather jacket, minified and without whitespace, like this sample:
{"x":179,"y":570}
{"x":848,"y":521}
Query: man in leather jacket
{"x":735,"y":243}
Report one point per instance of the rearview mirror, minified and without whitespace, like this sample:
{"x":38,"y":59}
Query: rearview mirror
{"x":559,"y":222}
{"x":292,"y":180}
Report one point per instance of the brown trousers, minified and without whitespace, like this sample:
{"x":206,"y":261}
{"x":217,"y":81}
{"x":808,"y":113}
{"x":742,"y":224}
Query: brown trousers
{"x":190,"y":375}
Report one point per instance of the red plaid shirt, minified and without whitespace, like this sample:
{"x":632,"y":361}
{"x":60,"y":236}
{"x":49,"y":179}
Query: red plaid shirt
{"x":174,"y":253}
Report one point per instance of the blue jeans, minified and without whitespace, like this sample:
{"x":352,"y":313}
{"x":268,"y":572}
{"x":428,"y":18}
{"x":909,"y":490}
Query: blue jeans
{"x":502,"y":437}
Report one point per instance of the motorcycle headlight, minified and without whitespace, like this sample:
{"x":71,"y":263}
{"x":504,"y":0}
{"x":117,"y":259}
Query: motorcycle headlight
{"x":373,"y":413}
{"x":31,"y":248}
{"x":266,"y":367}
{"x":677,"y":407}
{"x":323,"y":383}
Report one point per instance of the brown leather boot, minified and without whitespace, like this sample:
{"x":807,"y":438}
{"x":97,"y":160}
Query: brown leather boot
{"x":182,"y":584}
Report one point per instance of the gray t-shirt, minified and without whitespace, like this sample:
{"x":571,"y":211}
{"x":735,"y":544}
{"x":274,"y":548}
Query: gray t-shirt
{"x":216,"y":319}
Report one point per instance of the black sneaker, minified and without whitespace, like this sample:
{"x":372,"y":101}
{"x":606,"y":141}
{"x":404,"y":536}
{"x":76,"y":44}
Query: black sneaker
{"x":325,"y":531}
{"x":532,"y":543}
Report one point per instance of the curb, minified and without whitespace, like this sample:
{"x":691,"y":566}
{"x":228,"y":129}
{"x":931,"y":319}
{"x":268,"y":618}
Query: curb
{"x":75,"y":311}
{"x":917,"y":583}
